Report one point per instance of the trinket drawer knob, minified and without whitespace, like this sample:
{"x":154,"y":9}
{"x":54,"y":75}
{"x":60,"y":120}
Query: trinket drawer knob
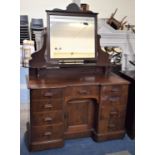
{"x":113,"y":113}
{"x":48,"y":94}
{"x":82,"y":92}
{"x":114,"y":98}
{"x":46,"y":106}
{"x":46,"y":119}
{"x":47,"y":134}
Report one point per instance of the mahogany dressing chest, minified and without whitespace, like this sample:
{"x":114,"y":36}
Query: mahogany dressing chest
{"x":74,"y":99}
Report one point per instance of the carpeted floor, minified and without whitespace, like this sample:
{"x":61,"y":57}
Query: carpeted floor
{"x":82,"y":146}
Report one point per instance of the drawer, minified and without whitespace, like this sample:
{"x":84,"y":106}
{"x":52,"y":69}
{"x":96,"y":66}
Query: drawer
{"x":115,"y":89}
{"x":47,"y":118}
{"x":82,"y":91}
{"x":112,"y":112}
{"x":46,"y":105}
{"x":106,"y":125}
{"x":37,"y":94}
{"x":116,"y":124}
{"x":46,"y":133}
{"x":112,"y":120}
{"x":112,"y":100}
{"x":104,"y":112}
{"x":103,"y":126}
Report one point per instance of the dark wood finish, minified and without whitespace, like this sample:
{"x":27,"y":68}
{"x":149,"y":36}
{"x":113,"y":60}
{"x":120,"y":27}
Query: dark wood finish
{"x":70,"y":101}
{"x":46,"y":118}
{"x":89,"y":91}
{"x":46,"y":133}
{"x":78,"y":106}
{"x":79,"y":117}
{"x":102,"y":58}
{"x":46,"y":94}
{"x":46,"y":105}
{"x":130,"y":116}
{"x":38,"y":58}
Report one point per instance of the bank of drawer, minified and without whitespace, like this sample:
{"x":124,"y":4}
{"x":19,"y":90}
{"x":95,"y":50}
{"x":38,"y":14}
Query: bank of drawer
{"x":82,"y":91}
{"x":46,"y":105}
{"x":46,"y":93}
{"x":46,"y":118}
{"x":112,"y":112}
{"x":45,"y":133}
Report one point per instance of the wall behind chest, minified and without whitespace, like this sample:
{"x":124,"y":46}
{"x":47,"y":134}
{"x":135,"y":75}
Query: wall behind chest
{"x":36,"y":8}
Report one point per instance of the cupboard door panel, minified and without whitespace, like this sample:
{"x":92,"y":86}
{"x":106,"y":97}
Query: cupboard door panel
{"x":79,"y":115}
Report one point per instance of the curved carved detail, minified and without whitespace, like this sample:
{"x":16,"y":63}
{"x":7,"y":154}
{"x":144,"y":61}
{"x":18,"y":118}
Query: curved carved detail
{"x":73,"y":7}
{"x":102,"y":57}
{"x":38,"y":58}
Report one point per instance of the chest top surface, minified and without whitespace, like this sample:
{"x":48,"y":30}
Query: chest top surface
{"x":84,"y":80}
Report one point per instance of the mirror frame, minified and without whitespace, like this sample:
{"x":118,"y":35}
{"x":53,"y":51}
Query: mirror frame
{"x":67,"y":13}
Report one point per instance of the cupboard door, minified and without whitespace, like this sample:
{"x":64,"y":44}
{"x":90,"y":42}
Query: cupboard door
{"x":79,"y":116}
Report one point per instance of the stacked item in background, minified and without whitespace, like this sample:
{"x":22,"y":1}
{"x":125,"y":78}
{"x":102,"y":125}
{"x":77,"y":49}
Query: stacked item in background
{"x":24,"y":28}
{"x":30,"y":45}
{"x":37,"y":28}
{"x":27,"y":50}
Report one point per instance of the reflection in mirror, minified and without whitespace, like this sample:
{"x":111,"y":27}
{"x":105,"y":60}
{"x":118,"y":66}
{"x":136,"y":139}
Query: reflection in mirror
{"x":115,"y":54}
{"x":72,"y":37}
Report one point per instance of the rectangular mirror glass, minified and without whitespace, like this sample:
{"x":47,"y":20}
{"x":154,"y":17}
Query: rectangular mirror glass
{"x":72,"y":37}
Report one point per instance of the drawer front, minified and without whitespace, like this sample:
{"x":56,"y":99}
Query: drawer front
{"x":112,"y":112}
{"x":46,"y":118}
{"x":45,"y":133}
{"x":112,"y":118}
{"x":82,"y":91}
{"x":103,"y":126}
{"x":46,"y":93}
{"x":46,"y":105}
{"x":115,"y":89}
{"x":112,"y":100}
{"x":106,"y":126}
{"x":114,"y":95}
{"x":115,"y":124}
